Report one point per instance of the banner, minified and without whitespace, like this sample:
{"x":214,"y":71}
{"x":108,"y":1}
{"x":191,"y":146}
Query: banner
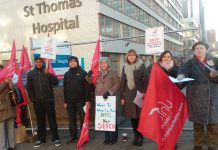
{"x":48,"y":48}
{"x":105,"y":113}
{"x":164,"y":110}
{"x":154,"y":40}
{"x":11,"y":69}
{"x":84,"y":135}
{"x":95,"y":62}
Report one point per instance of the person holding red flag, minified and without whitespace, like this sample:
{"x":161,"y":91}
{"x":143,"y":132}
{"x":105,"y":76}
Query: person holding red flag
{"x":7,"y":116}
{"x":164,"y":110}
{"x":108,"y":84}
{"x":75,"y":95}
{"x":134,"y":78}
{"x":202,"y":95}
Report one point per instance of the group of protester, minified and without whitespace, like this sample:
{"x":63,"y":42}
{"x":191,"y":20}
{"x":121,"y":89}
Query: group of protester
{"x":202,"y":95}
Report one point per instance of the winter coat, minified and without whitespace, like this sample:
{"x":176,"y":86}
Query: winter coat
{"x":75,"y":85}
{"x":6,"y":110}
{"x":110,"y":83}
{"x":131,"y":110}
{"x":202,"y":93}
{"x":40,"y":86}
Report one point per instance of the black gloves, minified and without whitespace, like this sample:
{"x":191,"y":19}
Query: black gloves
{"x":89,"y":74}
{"x":106,"y":94}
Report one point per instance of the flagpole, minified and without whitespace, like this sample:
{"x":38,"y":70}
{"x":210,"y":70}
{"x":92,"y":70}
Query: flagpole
{"x":31,"y":122}
{"x":155,"y":58}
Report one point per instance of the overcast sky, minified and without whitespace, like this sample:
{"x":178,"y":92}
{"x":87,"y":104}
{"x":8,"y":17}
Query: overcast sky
{"x":211,"y":15}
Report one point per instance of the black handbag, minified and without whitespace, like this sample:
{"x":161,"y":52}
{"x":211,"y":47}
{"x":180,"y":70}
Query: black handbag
{"x":15,"y":96}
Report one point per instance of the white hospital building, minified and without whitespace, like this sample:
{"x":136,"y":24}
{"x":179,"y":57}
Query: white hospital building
{"x":79,"y":21}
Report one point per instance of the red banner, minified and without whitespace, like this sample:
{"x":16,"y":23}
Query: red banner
{"x":11,"y":68}
{"x":84,"y":135}
{"x":95,"y":60}
{"x":164,"y":110}
{"x":25,"y":65}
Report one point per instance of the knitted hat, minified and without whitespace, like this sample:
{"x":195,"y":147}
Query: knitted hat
{"x":105,"y":59}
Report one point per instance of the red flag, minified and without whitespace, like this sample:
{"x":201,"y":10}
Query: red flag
{"x":50,"y":68}
{"x":164,"y":110}
{"x":25,"y":65}
{"x":95,"y":60}
{"x":84,"y":135}
{"x":11,"y":68}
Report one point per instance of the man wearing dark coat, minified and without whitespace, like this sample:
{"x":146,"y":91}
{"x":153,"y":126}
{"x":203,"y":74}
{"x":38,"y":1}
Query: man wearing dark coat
{"x":75,"y":95}
{"x":40,"y":90}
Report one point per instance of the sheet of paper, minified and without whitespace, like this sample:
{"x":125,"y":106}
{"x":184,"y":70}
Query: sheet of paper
{"x":84,"y":108}
{"x":174,"y":80}
{"x":139,"y":99}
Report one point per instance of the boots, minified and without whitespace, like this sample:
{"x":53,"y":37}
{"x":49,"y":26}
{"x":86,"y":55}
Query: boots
{"x":135,"y":140}
{"x":140,"y":139}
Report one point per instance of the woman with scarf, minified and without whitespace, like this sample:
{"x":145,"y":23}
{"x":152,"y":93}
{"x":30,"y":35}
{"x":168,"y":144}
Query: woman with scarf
{"x":167,"y":64}
{"x":108,"y":84}
{"x":202,"y":95}
{"x":134,"y":78}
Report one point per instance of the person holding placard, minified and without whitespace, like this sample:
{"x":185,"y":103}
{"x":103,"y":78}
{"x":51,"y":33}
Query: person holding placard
{"x":202,"y":95}
{"x":40,"y":90}
{"x":108,"y":84}
{"x":134,"y":78}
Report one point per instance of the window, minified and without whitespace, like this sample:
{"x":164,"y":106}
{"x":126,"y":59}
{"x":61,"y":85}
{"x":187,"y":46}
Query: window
{"x":108,"y":26}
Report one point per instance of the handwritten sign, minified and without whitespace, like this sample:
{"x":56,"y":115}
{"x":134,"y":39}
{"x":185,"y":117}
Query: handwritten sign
{"x":154,"y":40}
{"x":49,"y":46}
{"x":105,"y":113}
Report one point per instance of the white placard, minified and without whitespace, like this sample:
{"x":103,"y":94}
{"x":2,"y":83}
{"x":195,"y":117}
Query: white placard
{"x":105,"y":113}
{"x":48,"y":50}
{"x":154,"y":40}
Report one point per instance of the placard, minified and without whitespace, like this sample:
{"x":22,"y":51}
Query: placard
{"x":154,"y":40}
{"x":105,"y":113}
{"x":48,"y":49}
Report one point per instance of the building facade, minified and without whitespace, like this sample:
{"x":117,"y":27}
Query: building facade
{"x":82,"y":21}
{"x":191,"y":20}
{"x":78,"y":21}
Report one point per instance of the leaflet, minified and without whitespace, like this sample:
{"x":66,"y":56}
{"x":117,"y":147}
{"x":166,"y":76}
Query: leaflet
{"x":174,"y":80}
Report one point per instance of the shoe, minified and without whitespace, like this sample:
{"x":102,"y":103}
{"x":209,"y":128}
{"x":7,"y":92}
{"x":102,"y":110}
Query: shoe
{"x":176,"y":146}
{"x":11,"y":148}
{"x":212,"y":148}
{"x":135,"y":140}
{"x":57,"y":143}
{"x":38,"y":143}
{"x":198,"y":148}
{"x":140,"y":140}
{"x":106,"y":142}
{"x":113,"y":142}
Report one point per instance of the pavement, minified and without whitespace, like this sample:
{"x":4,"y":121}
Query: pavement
{"x":185,"y":142}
